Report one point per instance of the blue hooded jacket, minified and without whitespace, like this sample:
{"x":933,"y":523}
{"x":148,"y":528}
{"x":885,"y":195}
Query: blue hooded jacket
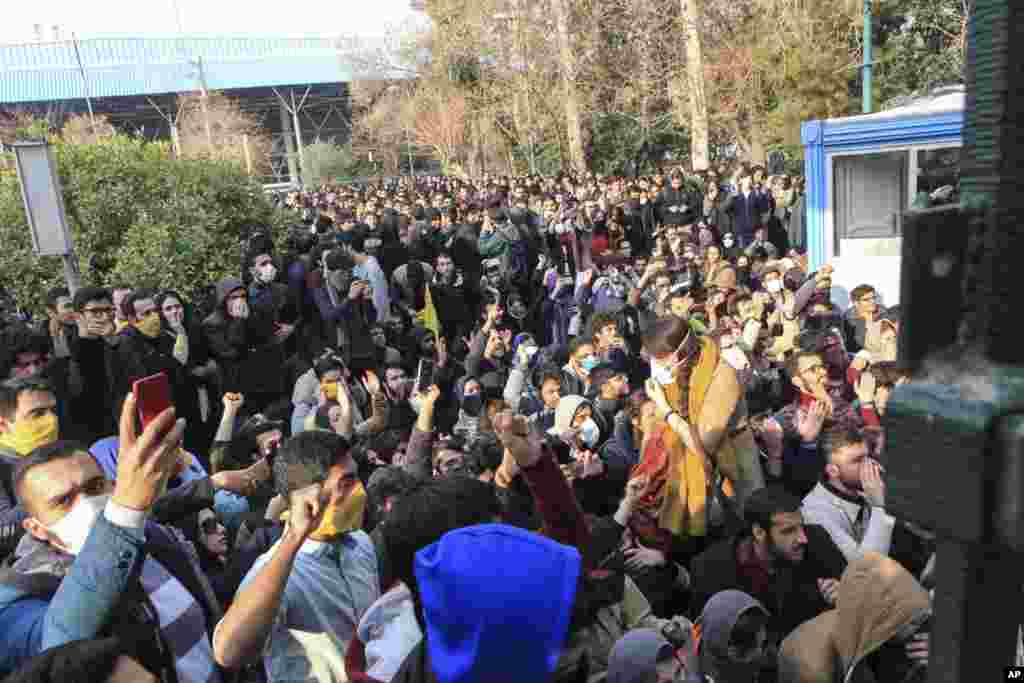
{"x":497,"y":601}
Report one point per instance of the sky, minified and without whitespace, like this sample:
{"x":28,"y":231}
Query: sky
{"x":93,"y":18}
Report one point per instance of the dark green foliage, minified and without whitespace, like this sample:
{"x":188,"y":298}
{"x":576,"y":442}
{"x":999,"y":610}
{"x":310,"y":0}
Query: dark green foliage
{"x":136,"y":216}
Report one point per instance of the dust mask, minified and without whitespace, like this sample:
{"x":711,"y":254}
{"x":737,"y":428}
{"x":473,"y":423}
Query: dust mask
{"x":590,"y":433}
{"x":267,"y":273}
{"x":30,"y":433}
{"x":149,"y":326}
{"x":73,"y":528}
{"x":343,"y":517}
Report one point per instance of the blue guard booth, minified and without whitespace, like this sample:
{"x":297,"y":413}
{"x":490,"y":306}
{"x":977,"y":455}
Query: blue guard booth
{"x":863,"y":172}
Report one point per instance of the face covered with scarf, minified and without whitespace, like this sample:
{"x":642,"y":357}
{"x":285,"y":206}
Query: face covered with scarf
{"x":302,"y":476}
{"x":33,"y":422}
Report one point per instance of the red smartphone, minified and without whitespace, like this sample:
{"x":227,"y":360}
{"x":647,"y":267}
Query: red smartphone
{"x":152,"y":397}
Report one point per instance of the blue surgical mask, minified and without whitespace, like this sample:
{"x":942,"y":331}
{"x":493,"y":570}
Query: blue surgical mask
{"x":590,"y":432}
{"x":589,"y":363}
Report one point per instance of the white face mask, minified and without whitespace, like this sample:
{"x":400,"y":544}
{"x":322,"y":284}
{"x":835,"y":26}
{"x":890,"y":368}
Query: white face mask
{"x":728,"y":242}
{"x":73,"y":528}
{"x":662,"y":374}
{"x":267,"y":273}
{"x":773,"y":286}
{"x":590,"y":432}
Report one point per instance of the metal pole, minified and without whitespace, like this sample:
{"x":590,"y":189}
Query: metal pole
{"x":203,"y":102}
{"x":867,"y":58}
{"x":85,"y":85}
{"x":71,"y":277}
{"x":298,"y":132}
{"x":289,"y":144}
{"x":175,"y":140}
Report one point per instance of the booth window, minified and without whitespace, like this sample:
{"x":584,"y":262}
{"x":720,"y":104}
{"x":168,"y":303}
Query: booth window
{"x":938,"y":176}
{"x":870,"y":195}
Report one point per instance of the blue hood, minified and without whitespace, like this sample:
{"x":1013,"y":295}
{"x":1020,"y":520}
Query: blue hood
{"x":497,"y":601}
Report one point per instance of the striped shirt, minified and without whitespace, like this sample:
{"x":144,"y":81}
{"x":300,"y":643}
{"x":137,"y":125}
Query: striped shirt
{"x":182,"y":624}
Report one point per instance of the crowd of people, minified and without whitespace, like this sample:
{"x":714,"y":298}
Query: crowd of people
{"x":570,"y":429}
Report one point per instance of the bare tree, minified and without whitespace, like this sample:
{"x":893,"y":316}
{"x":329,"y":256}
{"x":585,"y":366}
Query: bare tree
{"x":79,"y":129}
{"x":219,"y":129}
{"x":692,"y":27}
{"x":573,"y":113}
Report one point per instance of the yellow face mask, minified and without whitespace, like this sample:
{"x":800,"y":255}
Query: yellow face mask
{"x":149,"y":325}
{"x":31,"y":433}
{"x":330,"y":390}
{"x":343,"y":517}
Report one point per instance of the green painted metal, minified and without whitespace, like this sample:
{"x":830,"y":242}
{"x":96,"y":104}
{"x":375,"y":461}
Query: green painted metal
{"x":866,"y":73}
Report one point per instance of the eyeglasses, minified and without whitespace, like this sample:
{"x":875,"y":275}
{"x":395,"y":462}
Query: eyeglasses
{"x":100,"y":312}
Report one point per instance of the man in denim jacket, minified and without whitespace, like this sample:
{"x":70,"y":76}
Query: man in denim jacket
{"x":93,"y":566}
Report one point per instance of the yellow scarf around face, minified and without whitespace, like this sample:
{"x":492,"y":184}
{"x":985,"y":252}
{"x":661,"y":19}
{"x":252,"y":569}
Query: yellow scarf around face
{"x":684,"y":506}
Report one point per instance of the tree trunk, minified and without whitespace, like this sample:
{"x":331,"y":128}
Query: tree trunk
{"x":567,"y":63}
{"x":757,"y":153}
{"x":695,"y":76}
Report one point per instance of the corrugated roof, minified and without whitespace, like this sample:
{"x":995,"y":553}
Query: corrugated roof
{"x":115,"y":67}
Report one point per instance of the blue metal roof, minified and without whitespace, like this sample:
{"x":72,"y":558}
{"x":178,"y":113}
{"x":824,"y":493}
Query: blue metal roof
{"x":117,"y":67}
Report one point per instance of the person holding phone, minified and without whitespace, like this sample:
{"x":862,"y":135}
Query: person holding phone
{"x":93,"y":548}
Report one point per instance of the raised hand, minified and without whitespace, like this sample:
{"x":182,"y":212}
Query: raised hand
{"x":810,"y":422}
{"x":442,"y":352}
{"x":636,"y":488}
{"x":656,"y":393}
{"x":233,"y":403}
{"x":305,"y":511}
{"x":872,"y":483}
{"x":145,"y":463}
{"x":371,"y":382}
{"x":515,"y":436}
{"x":866,"y":386}
{"x":430,"y":395}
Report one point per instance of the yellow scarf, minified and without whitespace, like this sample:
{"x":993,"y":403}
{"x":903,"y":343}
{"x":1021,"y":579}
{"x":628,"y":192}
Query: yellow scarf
{"x":428,"y":316}
{"x":683,"y":508}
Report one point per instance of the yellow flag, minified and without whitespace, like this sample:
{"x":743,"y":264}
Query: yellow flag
{"x":428,"y":316}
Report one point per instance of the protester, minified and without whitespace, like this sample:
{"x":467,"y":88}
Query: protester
{"x":519,"y":428}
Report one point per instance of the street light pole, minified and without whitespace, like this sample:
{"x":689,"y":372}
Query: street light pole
{"x":866,"y":73}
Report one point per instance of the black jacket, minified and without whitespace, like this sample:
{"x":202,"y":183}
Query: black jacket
{"x":136,"y":356}
{"x":793,"y":597}
{"x":244,"y":348}
{"x":677,"y":207}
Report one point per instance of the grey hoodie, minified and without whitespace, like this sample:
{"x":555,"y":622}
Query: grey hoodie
{"x":635,"y":656}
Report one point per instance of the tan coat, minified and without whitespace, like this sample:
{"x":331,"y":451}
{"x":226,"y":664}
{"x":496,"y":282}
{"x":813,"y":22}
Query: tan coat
{"x":877,"y":599}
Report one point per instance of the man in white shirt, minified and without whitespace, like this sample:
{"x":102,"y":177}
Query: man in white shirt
{"x":850,"y":500}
